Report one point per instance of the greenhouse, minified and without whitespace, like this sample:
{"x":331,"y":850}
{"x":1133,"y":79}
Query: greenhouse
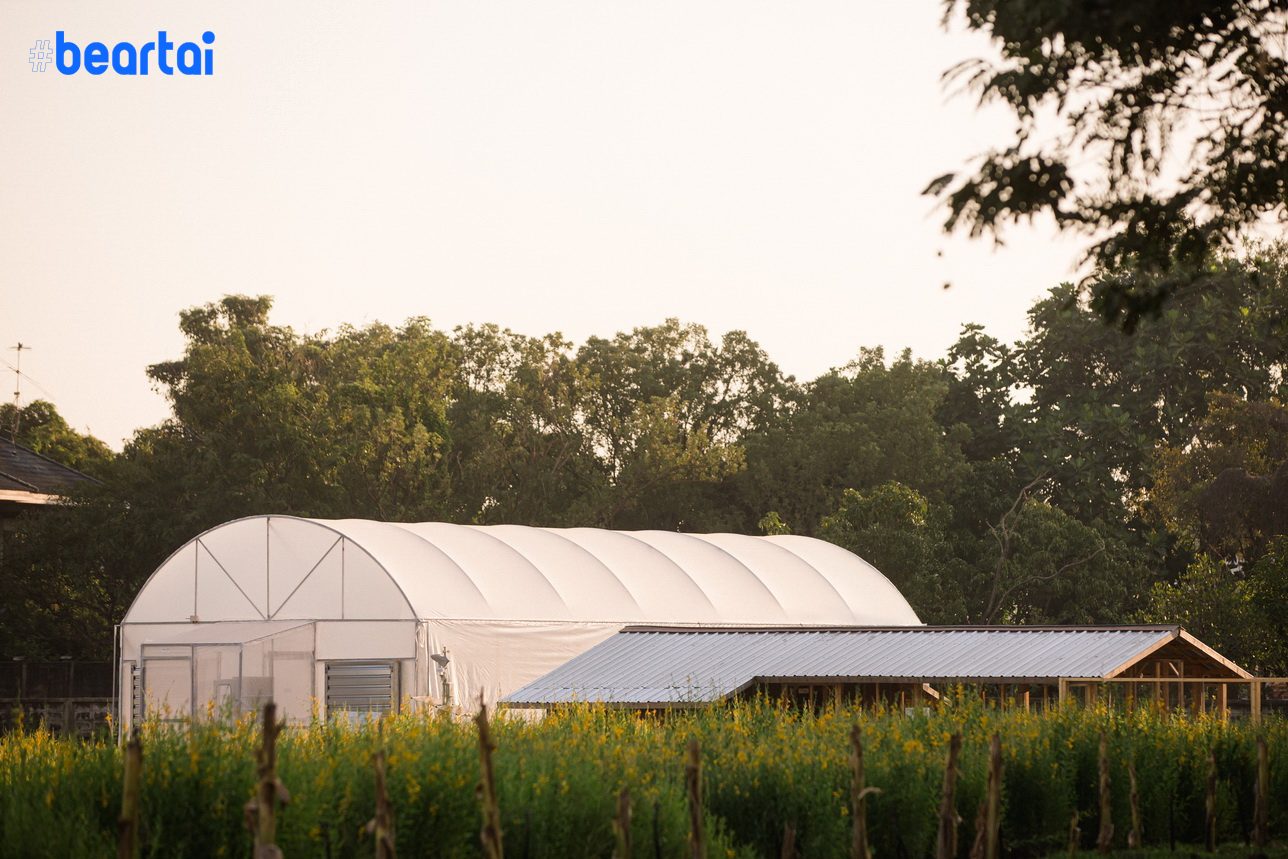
{"x":361,"y":616}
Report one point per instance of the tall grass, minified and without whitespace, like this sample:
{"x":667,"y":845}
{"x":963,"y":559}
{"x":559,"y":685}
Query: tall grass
{"x":764,"y":767}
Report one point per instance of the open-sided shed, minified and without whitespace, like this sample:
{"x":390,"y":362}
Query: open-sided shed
{"x":651,"y":667}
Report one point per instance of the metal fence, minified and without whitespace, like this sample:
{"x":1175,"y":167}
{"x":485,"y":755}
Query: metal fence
{"x":67,"y":697}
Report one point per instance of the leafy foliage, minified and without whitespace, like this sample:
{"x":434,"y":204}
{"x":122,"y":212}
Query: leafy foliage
{"x":764,"y":767}
{"x":1073,"y":476}
{"x":1156,"y":126}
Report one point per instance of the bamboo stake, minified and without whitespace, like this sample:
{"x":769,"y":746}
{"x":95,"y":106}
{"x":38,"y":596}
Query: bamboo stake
{"x":693,"y":783}
{"x":1261,"y":811}
{"x":622,"y":825}
{"x":490,"y":834}
{"x":382,"y":825}
{"x":859,"y":793}
{"x":128,"y":827}
{"x":1105,"y":838}
{"x":261,"y":812}
{"x":1209,"y":804}
{"x":1134,"y":837}
{"x":946,"y":840}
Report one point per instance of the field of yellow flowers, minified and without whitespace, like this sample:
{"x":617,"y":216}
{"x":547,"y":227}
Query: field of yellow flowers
{"x":765,"y":768}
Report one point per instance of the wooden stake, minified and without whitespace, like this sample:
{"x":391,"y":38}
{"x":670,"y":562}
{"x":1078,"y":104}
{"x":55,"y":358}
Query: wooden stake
{"x":1105,"y":838}
{"x":789,"y":841}
{"x":1261,"y":808}
{"x":382,"y":825}
{"x":946,"y":840}
{"x":1209,"y":804}
{"x":127,"y":846}
{"x":261,"y":812}
{"x":622,"y":825}
{"x":859,"y":792}
{"x":693,"y":784}
{"x":1134,"y":837}
{"x":490,"y":834}
{"x":993,"y":801}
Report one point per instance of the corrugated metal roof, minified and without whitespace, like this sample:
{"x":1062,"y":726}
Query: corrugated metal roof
{"x":671,"y":666}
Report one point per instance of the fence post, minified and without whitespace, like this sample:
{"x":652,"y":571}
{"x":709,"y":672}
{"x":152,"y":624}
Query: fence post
{"x":622,"y":825}
{"x":946,"y":840}
{"x":261,"y":812}
{"x":490,"y":834}
{"x":693,"y":784}
{"x":1105,"y":838}
{"x":1261,"y":810}
{"x":382,"y":825}
{"x":1075,"y":835}
{"x":127,"y":846}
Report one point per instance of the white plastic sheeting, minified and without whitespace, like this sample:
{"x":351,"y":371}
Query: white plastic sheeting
{"x":279,"y":567}
{"x":507,"y":603}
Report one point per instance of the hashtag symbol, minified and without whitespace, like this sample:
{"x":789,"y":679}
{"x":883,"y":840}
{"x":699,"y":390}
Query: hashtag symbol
{"x":40,"y":56}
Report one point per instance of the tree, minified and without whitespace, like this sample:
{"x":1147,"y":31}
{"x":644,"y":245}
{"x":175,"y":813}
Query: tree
{"x":1157,"y":126}
{"x":1225,"y":489}
{"x":42,"y":429}
{"x":899,"y":532}
{"x":853,"y":428}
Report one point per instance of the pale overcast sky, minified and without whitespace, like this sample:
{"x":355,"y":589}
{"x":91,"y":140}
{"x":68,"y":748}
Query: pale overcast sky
{"x":583,"y":166}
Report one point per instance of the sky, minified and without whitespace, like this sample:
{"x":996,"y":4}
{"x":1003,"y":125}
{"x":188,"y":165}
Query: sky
{"x":581,"y":166}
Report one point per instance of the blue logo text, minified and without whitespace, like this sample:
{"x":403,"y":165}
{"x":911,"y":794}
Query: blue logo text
{"x":124,"y":58}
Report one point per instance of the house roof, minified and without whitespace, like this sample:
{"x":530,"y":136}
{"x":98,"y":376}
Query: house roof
{"x":643,"y":666}
{"x":31,"y":478}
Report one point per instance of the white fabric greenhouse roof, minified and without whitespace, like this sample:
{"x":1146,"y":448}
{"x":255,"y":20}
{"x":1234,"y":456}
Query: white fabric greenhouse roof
{"x":284,"y":568}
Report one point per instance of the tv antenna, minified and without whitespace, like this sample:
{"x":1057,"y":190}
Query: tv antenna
{"x":17,"y":387}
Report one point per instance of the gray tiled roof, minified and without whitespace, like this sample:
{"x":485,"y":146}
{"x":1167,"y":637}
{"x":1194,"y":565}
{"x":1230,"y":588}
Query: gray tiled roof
{"x":24,"y":470}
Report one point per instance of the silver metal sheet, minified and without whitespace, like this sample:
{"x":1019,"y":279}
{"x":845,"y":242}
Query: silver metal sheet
{"x":667,"y":667}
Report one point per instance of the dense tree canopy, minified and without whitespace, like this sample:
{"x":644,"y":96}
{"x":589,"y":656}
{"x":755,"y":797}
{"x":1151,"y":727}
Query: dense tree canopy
{"x":1075,"y":475}
{"x":1156,"y":126}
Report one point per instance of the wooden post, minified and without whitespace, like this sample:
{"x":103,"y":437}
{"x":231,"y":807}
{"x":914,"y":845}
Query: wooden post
{"x":1209,"y":804}
{"x":490,"y":834}
{"x":127,"y":846}
{"x":1134,"y":837}
{"x":693,"y":784}
{"x":859,"y":792}
{"x":993,"y":815}
{"x":1223,"y":701}
{"x":1027,"y":707}
{"x":261,"y":812}
{"x":1105,"y":838}
{"x":382,"y":825}
{"x":788,"y":850}
{"x":622,"y":825}
{"x":1261,"y":809}
{"x":1062,"y":691}
{"x":1254,"y":701}
{"x":1075,"y":835}
{"x":946,"y":840}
